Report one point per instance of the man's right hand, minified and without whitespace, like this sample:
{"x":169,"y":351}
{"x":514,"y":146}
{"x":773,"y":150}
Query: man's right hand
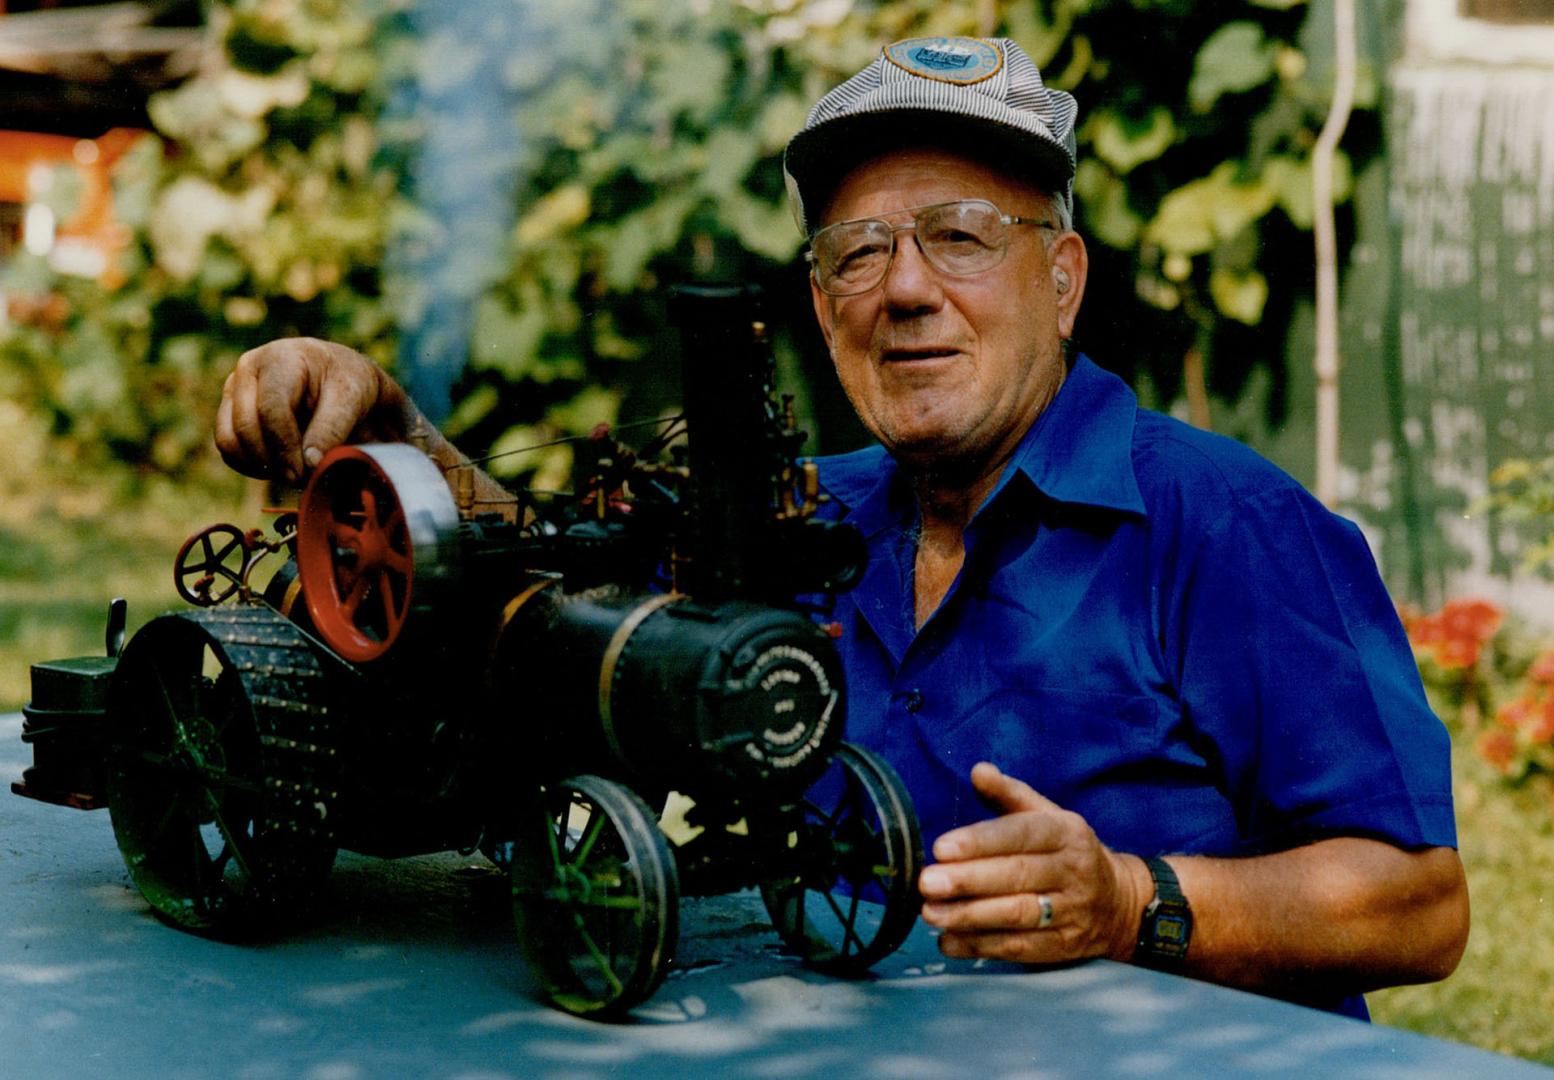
{"x":290,"y":402}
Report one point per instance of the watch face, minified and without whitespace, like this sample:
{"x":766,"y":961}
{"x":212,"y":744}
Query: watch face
{"x":1166,"y":931}
{"x":1171,"y":930}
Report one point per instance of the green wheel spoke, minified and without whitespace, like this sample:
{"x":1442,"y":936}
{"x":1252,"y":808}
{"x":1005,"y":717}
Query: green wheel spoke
{"x":229,"y":780}
{"x":167,"y":819}
{"x":181,"y":736}
{"x":612,"y":903}
{"x":224,"y":856}
{"x":828,"y":819}
{"x":553,"y":838}
{"x":213,"y":774}
{"x":849,"y":924}
{"x":590,"y":837}
{"x":167,"y":701}
{"x":598,"y":957}
{"x":228,"y":835}
{"x":852,"y":920}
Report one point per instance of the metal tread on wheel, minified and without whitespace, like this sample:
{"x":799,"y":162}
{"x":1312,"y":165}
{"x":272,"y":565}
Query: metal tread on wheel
{"x":223,"y":778}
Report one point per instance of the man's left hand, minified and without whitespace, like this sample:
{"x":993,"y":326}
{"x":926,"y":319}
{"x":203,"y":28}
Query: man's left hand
{"x":987,"y":888}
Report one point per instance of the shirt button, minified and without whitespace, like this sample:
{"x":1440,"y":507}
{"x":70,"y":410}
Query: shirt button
{"x":914,"y":700}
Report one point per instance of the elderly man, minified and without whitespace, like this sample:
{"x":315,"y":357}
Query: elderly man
{"x":1150,"y":698}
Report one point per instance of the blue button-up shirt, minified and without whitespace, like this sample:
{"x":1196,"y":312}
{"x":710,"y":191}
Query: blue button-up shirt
{"x":1154,"y":627}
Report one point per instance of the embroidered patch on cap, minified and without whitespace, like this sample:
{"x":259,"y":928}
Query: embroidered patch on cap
{"x":959,"y":60}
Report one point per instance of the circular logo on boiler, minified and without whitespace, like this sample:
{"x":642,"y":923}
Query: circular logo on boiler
{"x":787,"y":702}
{"x":958,"y":60}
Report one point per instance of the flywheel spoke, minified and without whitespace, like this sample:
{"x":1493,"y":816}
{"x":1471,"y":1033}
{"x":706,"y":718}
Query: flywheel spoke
{"x":395,"y":524}
{"x":343,"y":535}
{"x":352,"y":600}
{"x":391,"y":615}
{"x":370,"y":522}
{"x":215,"y":560}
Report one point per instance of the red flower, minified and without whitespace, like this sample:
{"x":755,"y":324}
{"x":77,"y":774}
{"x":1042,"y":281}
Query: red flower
{"x":1540,"y":729}
{"x":1457,"y":653}
{"x":1425,"y":629}
{"x":1456,"y":634}
{"x":1473,"y":619}
{"x":1513,"y":714}
{"x":1542,"y":670}
{"x":1498,"y":747}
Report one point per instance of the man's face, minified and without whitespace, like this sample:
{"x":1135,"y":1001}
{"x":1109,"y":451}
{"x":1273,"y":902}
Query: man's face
{"x":950,"y":371}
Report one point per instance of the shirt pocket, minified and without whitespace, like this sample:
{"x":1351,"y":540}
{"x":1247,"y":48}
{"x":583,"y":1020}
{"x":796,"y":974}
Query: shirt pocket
{"x":1065,"y":743}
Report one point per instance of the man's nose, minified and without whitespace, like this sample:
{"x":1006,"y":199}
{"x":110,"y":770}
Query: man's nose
{"x":911,"y":283}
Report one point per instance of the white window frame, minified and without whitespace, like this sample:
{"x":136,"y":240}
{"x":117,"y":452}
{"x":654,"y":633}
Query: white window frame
{"x":1435,"y":30}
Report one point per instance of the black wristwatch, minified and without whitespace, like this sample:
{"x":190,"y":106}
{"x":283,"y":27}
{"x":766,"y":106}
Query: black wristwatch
{"x":1166,"y":928}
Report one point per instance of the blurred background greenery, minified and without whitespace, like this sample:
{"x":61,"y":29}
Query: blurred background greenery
{"x":488,"y":198}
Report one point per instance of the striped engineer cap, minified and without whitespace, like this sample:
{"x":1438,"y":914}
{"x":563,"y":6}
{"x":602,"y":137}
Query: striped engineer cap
{"x":982,"y":96}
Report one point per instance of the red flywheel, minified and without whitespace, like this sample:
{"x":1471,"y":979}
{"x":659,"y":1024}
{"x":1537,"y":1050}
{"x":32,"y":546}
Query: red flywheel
{"x":373,"y":533}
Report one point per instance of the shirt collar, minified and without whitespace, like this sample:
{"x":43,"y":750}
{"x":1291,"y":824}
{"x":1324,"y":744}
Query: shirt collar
{"x":1079,"y":450}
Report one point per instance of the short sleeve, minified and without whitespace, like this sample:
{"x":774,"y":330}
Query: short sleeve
{"x":1296,"y":675}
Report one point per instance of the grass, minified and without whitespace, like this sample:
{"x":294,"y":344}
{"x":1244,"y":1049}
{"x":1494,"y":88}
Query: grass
{"x":1502,"y":993}
{"x":66,"y":547}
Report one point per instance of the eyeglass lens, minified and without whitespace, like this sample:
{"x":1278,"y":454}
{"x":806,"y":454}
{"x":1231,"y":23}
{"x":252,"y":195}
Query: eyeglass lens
{"x":957,"y":238}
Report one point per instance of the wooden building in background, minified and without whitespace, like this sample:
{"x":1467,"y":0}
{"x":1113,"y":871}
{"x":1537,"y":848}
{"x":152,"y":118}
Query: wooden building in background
{"x":74,"y":81}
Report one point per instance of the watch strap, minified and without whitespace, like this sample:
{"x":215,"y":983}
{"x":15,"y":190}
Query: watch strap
{"x":1167,"y":887}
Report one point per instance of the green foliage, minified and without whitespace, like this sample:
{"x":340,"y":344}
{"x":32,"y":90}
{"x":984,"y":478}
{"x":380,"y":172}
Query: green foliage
{"x":1523,"y":503}
{"x":256,"y":210}
{"x":1195,"y":181}
{"x":651,"y":134}
{"x":299,"y":183}
{"x":1235,"y":59}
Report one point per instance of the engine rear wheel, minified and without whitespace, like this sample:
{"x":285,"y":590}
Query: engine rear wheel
{"x":219,"y":782}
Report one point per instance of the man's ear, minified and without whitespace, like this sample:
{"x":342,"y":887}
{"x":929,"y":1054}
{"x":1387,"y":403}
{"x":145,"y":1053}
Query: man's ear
{"x":1070,"y":265}
{"x":823,"y":315}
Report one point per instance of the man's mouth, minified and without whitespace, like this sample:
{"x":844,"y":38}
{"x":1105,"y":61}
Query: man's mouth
{"x":918,"y":352}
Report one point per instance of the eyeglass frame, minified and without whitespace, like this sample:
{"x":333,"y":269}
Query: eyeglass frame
{"x":917,"y":212}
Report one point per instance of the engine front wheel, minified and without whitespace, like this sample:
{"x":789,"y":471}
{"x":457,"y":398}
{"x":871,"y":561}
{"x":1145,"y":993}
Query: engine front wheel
{"x":596,"y":897}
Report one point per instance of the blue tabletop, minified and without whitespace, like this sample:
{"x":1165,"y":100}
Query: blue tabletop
{"x":413,"y":973}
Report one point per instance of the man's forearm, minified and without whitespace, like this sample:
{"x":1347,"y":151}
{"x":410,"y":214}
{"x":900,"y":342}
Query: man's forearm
{"x":450,"y":458}
{"x":1339,"y":916}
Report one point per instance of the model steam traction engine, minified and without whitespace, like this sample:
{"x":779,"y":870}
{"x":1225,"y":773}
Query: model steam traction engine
{"x":529,"y":678}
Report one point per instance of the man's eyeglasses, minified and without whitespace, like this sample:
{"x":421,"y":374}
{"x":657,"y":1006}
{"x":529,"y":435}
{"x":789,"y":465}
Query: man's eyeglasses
{"x":957,"y":238}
